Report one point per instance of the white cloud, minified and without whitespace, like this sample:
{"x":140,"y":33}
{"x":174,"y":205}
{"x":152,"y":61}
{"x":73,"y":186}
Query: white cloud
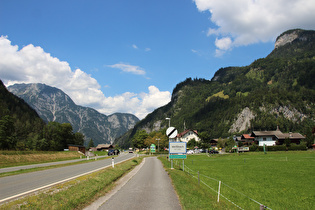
{"x":222,"y":45}
{"x":32,"y":65}
{"x":128,"y":68}
{"x":139,"y":104}
{"x":251,"y":21}
{"x":134,"y":46}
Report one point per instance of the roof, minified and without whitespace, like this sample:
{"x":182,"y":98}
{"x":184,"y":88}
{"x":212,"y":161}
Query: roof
{"x":293,"y":136}
{"x":278,"y":134}
{"x":186,"y":131}
{"x":247,"y":136}
{"x":104,"y":146}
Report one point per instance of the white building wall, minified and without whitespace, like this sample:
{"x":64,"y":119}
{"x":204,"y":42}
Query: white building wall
{"x":267,"y":140}
{"x":188,"y":136}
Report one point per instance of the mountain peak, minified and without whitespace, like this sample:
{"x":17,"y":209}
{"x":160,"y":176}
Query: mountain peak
{"x":287,"y":37}
{"x":52,"y":104}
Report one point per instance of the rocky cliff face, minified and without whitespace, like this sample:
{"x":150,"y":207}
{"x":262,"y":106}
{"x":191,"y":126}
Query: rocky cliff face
{"x":286,"y":38}
{"x":53,"y":104}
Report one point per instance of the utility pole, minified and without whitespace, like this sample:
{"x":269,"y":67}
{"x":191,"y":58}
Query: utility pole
{"x":158,"y":144}
{"x":169,"y":121}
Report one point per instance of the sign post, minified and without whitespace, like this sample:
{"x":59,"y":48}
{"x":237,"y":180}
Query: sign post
{"x":171,"y":133}
{"x":177,"y":150}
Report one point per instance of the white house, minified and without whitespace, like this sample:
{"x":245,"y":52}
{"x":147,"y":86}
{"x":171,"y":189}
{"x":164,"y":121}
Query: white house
{"x":187,"y":135}
{"x":271,"y":138}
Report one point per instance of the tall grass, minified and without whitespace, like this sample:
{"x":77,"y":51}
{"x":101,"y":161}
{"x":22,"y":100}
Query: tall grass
{"x":278,"y":180}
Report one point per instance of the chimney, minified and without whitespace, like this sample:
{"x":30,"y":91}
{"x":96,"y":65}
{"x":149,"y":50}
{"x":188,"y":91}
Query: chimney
{"x":278,"y":128}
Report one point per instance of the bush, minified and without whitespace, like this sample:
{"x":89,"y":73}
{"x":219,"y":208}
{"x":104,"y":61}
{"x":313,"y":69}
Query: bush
{"x":297,"y":147}
{"x":255,"y":148}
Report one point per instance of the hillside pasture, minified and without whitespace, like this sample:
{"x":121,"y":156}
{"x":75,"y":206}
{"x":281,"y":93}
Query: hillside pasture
{"x":277,"y":180}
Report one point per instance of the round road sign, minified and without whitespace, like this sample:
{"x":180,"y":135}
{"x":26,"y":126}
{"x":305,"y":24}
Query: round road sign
{"x":171,"y":132}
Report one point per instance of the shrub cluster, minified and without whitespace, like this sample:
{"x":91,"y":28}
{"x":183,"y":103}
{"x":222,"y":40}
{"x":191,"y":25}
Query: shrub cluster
{"x":255,"y":148}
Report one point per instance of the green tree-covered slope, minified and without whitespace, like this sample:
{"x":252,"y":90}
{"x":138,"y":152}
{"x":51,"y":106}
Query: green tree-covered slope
{"x":276,"y":90}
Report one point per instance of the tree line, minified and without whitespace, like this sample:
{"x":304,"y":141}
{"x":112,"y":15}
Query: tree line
{"x":52,"y":136}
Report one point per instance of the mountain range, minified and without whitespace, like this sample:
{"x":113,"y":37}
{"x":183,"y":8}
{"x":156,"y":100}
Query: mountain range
{"x":278,"y":90}
{"x":52,"y":104}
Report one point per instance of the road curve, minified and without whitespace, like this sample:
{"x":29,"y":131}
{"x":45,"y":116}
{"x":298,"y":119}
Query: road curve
{"x":149,"y":188}
{"x":15,"y":186}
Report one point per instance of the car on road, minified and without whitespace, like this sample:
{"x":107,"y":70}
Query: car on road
{"x":190,"y":152}
{"x":213,"y":152}
{"x":113,"y":152}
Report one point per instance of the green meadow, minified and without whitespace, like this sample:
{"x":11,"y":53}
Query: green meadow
{"x":277,"y":180}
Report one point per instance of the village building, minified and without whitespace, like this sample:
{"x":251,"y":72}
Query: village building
{"x":214,"y":142}
{"x":104,"y":147}
{"x":272,"y":138}
{"x":187,"y":135}
{"x":246,"y":139}
{"x":79,"y":148}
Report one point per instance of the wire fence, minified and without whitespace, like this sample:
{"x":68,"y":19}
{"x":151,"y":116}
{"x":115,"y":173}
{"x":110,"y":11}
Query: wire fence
{"x":223,"y":190}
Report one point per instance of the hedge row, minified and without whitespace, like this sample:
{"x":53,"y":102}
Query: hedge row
{"x":277,"y":148}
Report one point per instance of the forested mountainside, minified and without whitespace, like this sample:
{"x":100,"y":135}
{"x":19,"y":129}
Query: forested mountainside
{"x":21,"y":128}
{"x":278,"y":90}
{"x":18,"y":121}
{"x":53,"y":105}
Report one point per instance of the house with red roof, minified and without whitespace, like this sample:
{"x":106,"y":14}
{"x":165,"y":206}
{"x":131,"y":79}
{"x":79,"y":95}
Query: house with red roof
{"x":246,"y":139}
{"x":187,"y":135}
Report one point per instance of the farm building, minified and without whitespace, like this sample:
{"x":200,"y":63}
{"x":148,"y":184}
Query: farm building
{"x":80,"y":148}
{"x":103,"y":147}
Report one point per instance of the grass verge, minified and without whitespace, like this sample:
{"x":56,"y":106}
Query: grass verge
{"x":193,"y":195}
{"x":75,"y":194}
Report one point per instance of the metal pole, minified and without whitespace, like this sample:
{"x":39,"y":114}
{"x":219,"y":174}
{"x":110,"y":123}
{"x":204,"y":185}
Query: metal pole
{"x":169,"y":121}
{"x":183,"y":165}
{"x":158,"y":144}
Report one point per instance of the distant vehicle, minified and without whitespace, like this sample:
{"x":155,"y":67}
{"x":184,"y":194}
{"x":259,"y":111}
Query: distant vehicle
{"x":213,"y":152}
{"x":130,"y":150}
{"x":190,"y":152}
{"x":202,"y":150}
{"x":113,"y":152}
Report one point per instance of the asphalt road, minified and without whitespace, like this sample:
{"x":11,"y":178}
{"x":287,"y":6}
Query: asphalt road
{"x":19,"y":185}
{"x":149,"y":188}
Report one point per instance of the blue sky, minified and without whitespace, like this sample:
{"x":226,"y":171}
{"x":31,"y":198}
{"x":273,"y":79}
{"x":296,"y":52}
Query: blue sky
{"x":128,"y":55}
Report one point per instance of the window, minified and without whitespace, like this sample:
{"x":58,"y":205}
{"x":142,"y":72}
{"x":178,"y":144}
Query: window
{"x":264,"y":139}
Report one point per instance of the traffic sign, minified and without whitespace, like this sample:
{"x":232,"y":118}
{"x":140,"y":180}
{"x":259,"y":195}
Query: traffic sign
{"x":171,"y":132}
{"x":178,"y":156}
{"x":152,"y":148}
{"x":177,"y":147}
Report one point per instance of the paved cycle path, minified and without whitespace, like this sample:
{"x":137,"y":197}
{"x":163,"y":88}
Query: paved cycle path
{"x":150,"y":188}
